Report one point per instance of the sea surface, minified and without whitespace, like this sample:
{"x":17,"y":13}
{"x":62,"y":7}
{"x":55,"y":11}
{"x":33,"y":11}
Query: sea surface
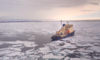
{"x":32,"y":41}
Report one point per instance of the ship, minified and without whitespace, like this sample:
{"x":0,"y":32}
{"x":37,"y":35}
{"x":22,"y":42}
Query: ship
{"x":66,"y":30}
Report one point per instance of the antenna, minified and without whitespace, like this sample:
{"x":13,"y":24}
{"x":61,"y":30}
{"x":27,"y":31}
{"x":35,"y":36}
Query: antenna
{"x":61,"y":22}
{"x":67,"y":22}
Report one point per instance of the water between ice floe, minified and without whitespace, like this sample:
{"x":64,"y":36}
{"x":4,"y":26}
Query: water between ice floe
{"x":31,"y":41}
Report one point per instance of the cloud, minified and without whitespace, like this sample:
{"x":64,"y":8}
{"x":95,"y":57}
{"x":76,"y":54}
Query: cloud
{"x":57,"y":3}
{"x":15,"y":4}
{"x":46,"y":9}
{"x":95,"y":15}
{"x":87,"y":10}
{"x":94,"y":3}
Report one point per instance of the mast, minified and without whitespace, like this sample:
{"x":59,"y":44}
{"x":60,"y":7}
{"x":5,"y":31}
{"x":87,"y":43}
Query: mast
{"x":67,"y":22}
{"x":61,"y":22}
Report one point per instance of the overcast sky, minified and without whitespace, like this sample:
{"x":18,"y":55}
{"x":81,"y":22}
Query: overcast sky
{"x":50,"y":9}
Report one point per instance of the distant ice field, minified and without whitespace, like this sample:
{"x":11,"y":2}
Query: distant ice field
{"x":32,"y":41}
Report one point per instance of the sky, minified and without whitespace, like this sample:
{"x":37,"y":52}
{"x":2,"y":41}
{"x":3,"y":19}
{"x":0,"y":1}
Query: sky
{"x":50,"y":9}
